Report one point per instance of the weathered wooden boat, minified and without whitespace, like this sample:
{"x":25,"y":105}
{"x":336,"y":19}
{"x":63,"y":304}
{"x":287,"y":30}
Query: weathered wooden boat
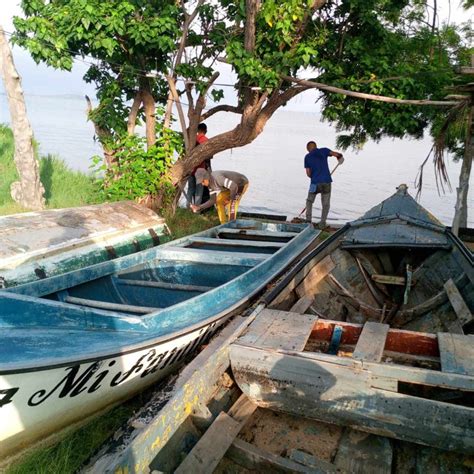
{"x":282,"y":391}
{"x":75,"y":343}
{"x":37,"y":245}
{"x":315,"y":379}
{"x":396,"y":265}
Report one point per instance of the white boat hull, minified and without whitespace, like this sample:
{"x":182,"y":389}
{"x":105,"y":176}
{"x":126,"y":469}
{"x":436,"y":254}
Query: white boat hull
{"x":37,"y":403}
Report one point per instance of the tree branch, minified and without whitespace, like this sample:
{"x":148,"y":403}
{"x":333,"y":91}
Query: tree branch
{"x":220,"y":108}
{"x":182,"y":119}
{"x":361,"y":95}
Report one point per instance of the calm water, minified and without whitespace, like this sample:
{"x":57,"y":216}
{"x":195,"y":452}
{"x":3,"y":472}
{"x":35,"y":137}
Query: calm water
{"x":273,"y":162}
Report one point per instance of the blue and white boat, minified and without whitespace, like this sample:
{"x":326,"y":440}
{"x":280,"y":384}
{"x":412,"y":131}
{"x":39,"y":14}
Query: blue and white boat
{"x":74,"y":344}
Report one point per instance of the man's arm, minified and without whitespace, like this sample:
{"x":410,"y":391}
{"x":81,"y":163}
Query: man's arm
{"x":337,"y":155}
{"x":206,"y":205}
{"x":308,"y":172}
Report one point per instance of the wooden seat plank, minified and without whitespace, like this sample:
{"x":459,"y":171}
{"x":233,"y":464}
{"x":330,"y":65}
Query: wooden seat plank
{"x":211,"y":448}
{"x":371,"y":342}
{"x":163,"y":285}
{"x":457,"y":302}
{"x":456,"y":353}
{"x":275,"y":329}
{"x":235,"y":242}
{"x":124,"y":308}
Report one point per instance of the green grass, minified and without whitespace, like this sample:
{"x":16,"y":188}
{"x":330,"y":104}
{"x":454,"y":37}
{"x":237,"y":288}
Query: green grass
{"x":184,"y":222}
{"x":63,"y":186}
{"x":75,"y":449}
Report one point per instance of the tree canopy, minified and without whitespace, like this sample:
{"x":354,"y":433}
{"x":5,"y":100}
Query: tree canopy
{"x":394,"y":48}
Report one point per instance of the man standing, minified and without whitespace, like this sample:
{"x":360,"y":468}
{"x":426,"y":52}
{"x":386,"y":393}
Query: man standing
{"x":195,"y":194}
{"x":226,"y":188}
{"x":316,"y":165}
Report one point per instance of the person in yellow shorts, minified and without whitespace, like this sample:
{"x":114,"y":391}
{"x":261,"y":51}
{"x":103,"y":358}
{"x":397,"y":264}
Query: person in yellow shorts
{"x":226,"y":189}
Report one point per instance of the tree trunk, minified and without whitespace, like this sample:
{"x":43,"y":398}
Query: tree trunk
{"x":460,"y":215}
{"x":28,"y":191}
{"x":149,"y":108}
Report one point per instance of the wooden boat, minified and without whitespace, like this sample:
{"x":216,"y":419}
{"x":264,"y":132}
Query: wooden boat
{"x":289,"y":389}
{"x":395,"y":265}
{"x":37,"y":245}
{"x":73,"y":344}
{"x":295,"y":407}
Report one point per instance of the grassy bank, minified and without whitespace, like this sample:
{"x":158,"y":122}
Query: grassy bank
{"x":63,"y":186}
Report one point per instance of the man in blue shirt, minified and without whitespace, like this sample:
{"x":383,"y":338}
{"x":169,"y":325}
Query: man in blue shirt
{"x":316,"y":165}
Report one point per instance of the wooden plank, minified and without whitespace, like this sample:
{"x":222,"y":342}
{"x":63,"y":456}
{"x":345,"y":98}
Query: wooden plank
{"x":395,"y":372}
{"x":124,"y":308}
{"x":259,"y":233}
{"x":457,"y":302}
{"x":302,"y":305}
{"x":371,"y":342}
{"x":342,"y":395}
{"x":280,"y":330}
{"x":389,"y":279}
{"x":317,"y":273}
{"x":256,"y":459}
{"x":364,"y":453}
{"x":163,"y":285}
{"x":211,"y":448}
{"x":235,"y":243}
{"x":456,"y":353}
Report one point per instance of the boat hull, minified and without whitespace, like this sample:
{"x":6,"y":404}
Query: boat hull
{"x":39,"y":402}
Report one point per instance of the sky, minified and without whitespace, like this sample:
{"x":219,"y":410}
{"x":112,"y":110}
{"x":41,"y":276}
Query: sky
{"x":43,"y":80}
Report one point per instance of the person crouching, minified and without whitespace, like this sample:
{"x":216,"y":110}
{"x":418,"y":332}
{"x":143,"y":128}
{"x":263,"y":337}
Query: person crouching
{"x":226,"y":189}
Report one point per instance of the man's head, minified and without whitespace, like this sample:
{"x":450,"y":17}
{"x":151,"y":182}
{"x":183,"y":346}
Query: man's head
{"x":310,"y":146}
{"x":202,"y":176}
{"x":202,"y":128}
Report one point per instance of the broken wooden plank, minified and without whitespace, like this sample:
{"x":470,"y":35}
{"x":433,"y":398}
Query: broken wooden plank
{"x":389,"y":279}
{"x":456,"y":353}
{"x":280,"y":330}
{"x":211,"y":448}
{"x":343,"y":395}
{"x":371,"y":342}
{"x":363,"y":453}
{"x":256,"y":459}
{"x":302,"y":305}
{"x":457,"y":302}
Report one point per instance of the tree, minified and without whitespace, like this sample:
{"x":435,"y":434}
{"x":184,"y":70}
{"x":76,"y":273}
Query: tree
{"x":385,"y":47}
{"x":28,"y":191}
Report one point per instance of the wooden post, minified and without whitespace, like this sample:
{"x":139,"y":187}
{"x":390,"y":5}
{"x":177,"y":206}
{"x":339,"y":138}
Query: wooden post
{"x":28,"y":191}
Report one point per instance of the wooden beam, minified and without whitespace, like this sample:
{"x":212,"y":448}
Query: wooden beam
{"x":371,"y":342}
{"x":255,"y":459}
{"x":389,"y":279}
{"x":457,"y":302}
{"x":317,"y":273}
{"x":211,"y":448}
{"x":124,"y":308}
{"x":456,"y":353}
{"x":302,"y":305}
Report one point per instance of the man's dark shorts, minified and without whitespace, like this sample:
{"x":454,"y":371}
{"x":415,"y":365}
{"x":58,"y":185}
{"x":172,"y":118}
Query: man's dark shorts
{"x":321,"y":188}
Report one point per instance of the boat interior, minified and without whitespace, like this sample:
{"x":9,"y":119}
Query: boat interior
{"x":410,"y":287}
{"x":170,"y":274}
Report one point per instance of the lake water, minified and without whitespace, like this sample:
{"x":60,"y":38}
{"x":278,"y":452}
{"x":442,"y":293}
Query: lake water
{"x":273,"y":162}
